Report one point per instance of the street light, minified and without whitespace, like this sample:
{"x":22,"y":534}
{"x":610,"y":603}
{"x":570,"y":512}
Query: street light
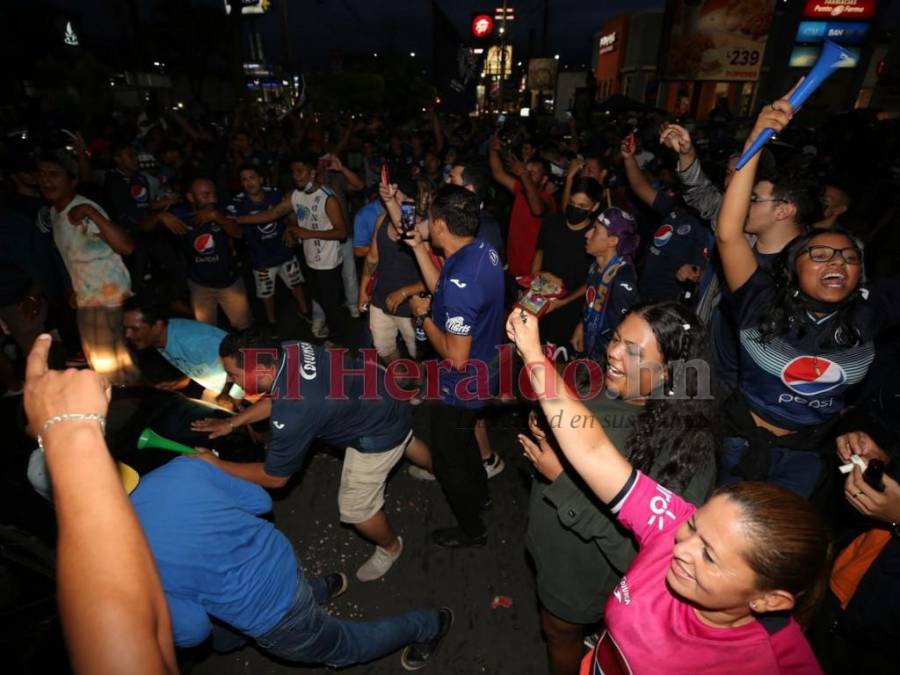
{"x":556,"y":56}
{"x":412,"y":55}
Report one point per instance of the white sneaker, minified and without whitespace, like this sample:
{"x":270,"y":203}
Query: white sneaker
{"x":379,"y":564}
{"x":419,"y":473}
{"x":319,"y":329}
{"x":493,"y":465}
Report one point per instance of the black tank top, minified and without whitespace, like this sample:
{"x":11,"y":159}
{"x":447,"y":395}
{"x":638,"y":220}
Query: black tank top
{"x":397,"y":267}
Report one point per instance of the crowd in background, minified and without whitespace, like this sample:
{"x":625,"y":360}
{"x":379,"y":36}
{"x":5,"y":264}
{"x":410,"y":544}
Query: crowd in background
{"x":417,"y":238}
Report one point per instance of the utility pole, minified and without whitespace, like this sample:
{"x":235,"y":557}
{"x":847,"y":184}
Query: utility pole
{"x":502,"y":57}
{"x":546,"y":23}
{"x":504,"y":15}
{"x":237,"y":50}
{"x":286,"y":35}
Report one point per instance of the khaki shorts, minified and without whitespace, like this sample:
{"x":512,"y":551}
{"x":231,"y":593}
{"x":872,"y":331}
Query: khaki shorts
{"x":363,"y":478}
{"x":384,"y":328}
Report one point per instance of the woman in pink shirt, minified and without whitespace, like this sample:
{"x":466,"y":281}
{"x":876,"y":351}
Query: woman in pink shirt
{"x":712,"y":590}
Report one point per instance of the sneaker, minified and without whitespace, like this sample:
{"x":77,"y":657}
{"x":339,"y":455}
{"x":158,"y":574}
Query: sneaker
{"x":454,"y":537}
{"x":419,"y":473}
{"x":319,"y":329}
{"x":379,"y":564}
{"x":337,"y":584}
{"x":354,"y":311}
{"x":416,"y":656}
{"x":493,"y":465}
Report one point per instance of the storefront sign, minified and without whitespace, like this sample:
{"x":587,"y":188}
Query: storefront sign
{"x":721,"y":40}
{"x":542,"y":75}
{"x":840,"y":9}
{"x":843,"y":32}
{"x":482,"y":25}
{"x":607,"y":43}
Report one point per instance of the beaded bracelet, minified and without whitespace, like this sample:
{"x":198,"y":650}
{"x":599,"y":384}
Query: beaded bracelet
{"x":67,"y":417}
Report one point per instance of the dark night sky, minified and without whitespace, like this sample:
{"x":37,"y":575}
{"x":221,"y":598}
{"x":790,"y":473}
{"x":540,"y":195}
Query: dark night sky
{"x":317,"y":26}
{"x":404,"y":25}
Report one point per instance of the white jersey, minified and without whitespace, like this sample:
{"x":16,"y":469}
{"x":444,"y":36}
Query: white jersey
{"x":320,"y":254}
{"x":99,"y":277}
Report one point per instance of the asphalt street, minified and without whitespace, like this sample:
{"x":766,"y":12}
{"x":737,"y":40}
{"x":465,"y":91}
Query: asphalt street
{"x":483,"y":640}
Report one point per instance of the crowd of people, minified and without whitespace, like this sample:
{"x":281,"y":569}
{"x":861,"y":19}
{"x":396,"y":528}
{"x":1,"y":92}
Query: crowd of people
{"x":698,"y":350}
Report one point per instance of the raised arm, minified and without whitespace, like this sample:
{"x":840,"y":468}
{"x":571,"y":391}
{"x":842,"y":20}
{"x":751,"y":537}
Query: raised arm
{"x":344,"y":141}
{"x":583,"y":441}
{"x":438,"y":132}
{"x":636,"y":178}
{"x":575,"y":167}
{"x":500,"y":174}
{"x":532,"y":194}
{"x":699,"y":191}
{"x":354,"y":182}
{"x":113,"y":610}
{"x":738,"y":261}
{"x":114,"y":235}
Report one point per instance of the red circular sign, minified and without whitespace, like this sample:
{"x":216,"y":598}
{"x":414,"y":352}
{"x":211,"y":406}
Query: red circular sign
{"x":482,"y":25}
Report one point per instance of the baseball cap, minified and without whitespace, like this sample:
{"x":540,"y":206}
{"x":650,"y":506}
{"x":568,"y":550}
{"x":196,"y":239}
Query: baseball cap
{"x":621,"y":224}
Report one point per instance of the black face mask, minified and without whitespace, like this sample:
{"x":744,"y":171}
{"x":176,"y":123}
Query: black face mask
{"x":575,"y":214}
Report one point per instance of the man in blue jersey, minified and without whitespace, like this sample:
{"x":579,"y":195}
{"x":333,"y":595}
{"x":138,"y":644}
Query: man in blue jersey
{"x":217,"y":559}
{"x":464,"y":323}
{"x":270,"y":256}
{"x":313,"y":394}
{"x":321,"y":228}
{"x":213,"y":277}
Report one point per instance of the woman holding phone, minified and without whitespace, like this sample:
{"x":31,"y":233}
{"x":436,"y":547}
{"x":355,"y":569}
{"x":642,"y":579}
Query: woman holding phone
{"x":712,"y":589}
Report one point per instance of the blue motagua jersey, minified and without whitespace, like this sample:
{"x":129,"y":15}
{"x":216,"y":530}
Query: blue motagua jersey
{"x":264,"y":242}
{"x":794,"y":380}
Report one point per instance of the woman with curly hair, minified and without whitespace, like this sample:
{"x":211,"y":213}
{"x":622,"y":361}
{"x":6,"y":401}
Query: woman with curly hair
{"x":807,"y":330}
{"x":657,"y":410}
{"x":718,"y":589}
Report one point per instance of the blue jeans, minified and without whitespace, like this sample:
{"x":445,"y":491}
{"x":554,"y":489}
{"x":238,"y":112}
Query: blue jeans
{"x":308,"y":634}
{"x":795,"y":470}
